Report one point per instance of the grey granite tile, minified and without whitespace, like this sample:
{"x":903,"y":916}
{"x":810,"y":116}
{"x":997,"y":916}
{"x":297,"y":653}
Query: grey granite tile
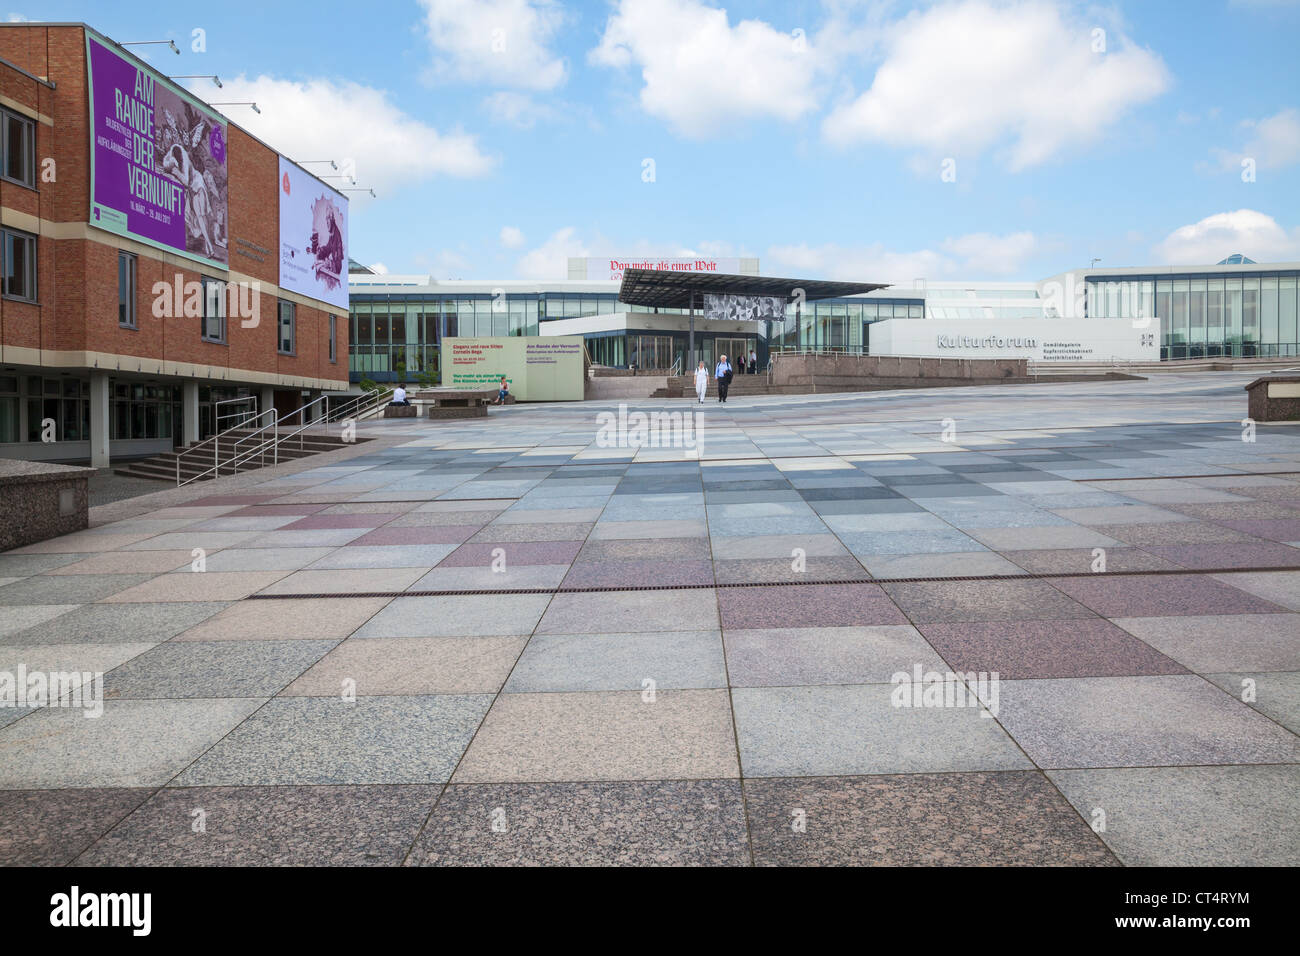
{"x":269,"y":826}
{"x":622,"y":823}
{"x":318,"y":740}
{"x":1011,"y":818}
{"x":836,"y":730}
{"x":1191,"y":816}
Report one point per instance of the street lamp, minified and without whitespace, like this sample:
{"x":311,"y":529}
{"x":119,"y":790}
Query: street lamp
{"x":246,"y":103}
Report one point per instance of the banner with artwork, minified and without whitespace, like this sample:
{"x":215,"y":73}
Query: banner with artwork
{"x":158,"y":159}
{"x":313,"y":237}
{"x":745,"y":308}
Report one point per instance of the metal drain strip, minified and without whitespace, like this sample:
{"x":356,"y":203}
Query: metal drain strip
{"x":1027,"y":576}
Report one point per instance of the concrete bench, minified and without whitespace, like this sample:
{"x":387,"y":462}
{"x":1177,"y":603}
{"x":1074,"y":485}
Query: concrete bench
{"x":39,"y":500}
{"x":1274,"y":398}
{"x":401,"y":411}
{"x":441,"y":403}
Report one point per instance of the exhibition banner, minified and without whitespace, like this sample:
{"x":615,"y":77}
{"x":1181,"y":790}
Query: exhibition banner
{"x":158,"y":159}
{"x":537,"y":368}
{"x":313,"y":237}
{"x":745,"y":308}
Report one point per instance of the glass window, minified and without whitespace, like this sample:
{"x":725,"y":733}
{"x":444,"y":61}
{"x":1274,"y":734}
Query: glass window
{"x":287,"y":334}
{"x":214,"y":311}
{"x":1268,"y":311}
{"x":1286,"y":313}
{"x":19,"y":265}
{"x":1250,"y":317}
{"x":334,"y":346}
{"x":126,"y":284}
{"x":19,"y":148}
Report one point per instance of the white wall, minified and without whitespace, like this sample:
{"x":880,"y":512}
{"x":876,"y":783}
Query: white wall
{"x":1042,"y":340}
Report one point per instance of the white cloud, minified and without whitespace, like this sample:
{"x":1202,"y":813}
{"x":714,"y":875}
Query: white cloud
{"x":550,"y":259}
{"x":512,"y":237}
{"x":496,"y":42}
{"x":701,"y":74}
{"x":321,"y":119}
{"x":1275,"y":143}
{"x":962,"y":76}
{"x":972,"y":256}
{"x":1247,"y":231}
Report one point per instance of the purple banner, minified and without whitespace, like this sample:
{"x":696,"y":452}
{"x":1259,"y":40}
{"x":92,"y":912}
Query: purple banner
{"x":158,"y":160}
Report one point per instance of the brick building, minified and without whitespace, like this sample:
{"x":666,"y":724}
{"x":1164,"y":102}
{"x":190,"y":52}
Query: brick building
{"x":114,"y":345}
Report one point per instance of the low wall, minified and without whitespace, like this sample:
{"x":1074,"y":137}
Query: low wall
{"x":40,"y":500}
{"x":1274,"y":398}
{"x":830,"y":373}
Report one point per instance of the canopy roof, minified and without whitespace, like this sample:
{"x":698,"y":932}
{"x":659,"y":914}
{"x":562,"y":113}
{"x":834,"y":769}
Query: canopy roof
{"x":654,"y":288}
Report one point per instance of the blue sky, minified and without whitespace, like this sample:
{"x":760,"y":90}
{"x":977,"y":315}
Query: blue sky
{"x":971,"y":139}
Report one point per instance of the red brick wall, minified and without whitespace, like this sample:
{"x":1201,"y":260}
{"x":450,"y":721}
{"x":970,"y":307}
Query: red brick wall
{"x":77,"y":278}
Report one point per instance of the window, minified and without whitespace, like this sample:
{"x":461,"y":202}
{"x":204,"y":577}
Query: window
{"x":19,"y":265}
{"x":334,"y":342}
{"x":126,"y":281}
{"x":286,"y":337}
{"x":214,"y":311}
{"x":19,"y":148}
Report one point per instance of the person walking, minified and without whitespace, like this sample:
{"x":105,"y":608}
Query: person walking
{"x":753,"y":363}
{"x":723,"y":375}
{"x":701,"y":380}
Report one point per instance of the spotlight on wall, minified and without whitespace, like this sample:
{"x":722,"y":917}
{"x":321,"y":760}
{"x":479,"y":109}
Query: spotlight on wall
{"x":199,"y":76}
{"x":360,"y":189}
{"x":308,"y":162}
{"x":171,"y":43}
{"x":253,"y":105}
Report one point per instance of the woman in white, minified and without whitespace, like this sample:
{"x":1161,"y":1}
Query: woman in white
{"x":701,"y":381}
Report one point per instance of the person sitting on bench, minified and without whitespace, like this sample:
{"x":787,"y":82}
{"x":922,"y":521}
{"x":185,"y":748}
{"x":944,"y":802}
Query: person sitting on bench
{"x":503,"y":392}
{"x":399,"y":396}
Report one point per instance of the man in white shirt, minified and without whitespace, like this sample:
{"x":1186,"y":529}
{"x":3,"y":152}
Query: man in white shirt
{"x":723,"y":375}
{"x":399,"y":396}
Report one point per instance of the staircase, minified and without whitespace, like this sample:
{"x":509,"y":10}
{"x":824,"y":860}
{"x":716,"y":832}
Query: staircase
{"x":164,"y":466}
{"x":683,"y":386}
{"x":245,"y":446}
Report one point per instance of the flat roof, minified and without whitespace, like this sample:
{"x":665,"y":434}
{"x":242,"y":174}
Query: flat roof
{"x":655,"y":288}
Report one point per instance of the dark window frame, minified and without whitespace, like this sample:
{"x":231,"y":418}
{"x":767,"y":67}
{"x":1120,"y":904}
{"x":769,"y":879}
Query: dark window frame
{"x":292,"y":308}
{"x":6,"y":115}
{"x":132,"y":321}
{"x":207,"y":282}
{"x":334,"y":341}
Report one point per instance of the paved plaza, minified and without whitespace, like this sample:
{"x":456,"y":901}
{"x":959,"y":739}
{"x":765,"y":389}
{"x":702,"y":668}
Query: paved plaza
{"x":515,"y":640}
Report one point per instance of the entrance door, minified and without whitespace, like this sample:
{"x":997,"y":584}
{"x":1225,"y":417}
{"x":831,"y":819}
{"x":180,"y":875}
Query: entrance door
{"x":731,"y":348}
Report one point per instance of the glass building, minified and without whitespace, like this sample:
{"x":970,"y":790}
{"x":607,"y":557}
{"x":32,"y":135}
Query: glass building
{"x":1236,"y":308}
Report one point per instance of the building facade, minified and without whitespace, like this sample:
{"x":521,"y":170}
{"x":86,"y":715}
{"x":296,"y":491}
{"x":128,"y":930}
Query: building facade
{"x":1234,"y":309}
{"x":112,"y":344}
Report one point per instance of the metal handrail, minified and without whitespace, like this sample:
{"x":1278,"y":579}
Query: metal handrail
{"x":354,"y":406}
{"x":215,"y":441}
{"x":218,"y":416}
{"x":235,"y":461}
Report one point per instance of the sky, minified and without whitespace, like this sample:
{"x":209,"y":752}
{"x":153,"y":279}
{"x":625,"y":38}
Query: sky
{"x":876,"y":141}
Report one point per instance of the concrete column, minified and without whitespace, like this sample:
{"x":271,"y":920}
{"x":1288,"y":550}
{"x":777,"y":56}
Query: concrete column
{"x":189,"y":412}
{"x":265,"y":400}
{"x":315,"y":412}
{"x":99,"y":419}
